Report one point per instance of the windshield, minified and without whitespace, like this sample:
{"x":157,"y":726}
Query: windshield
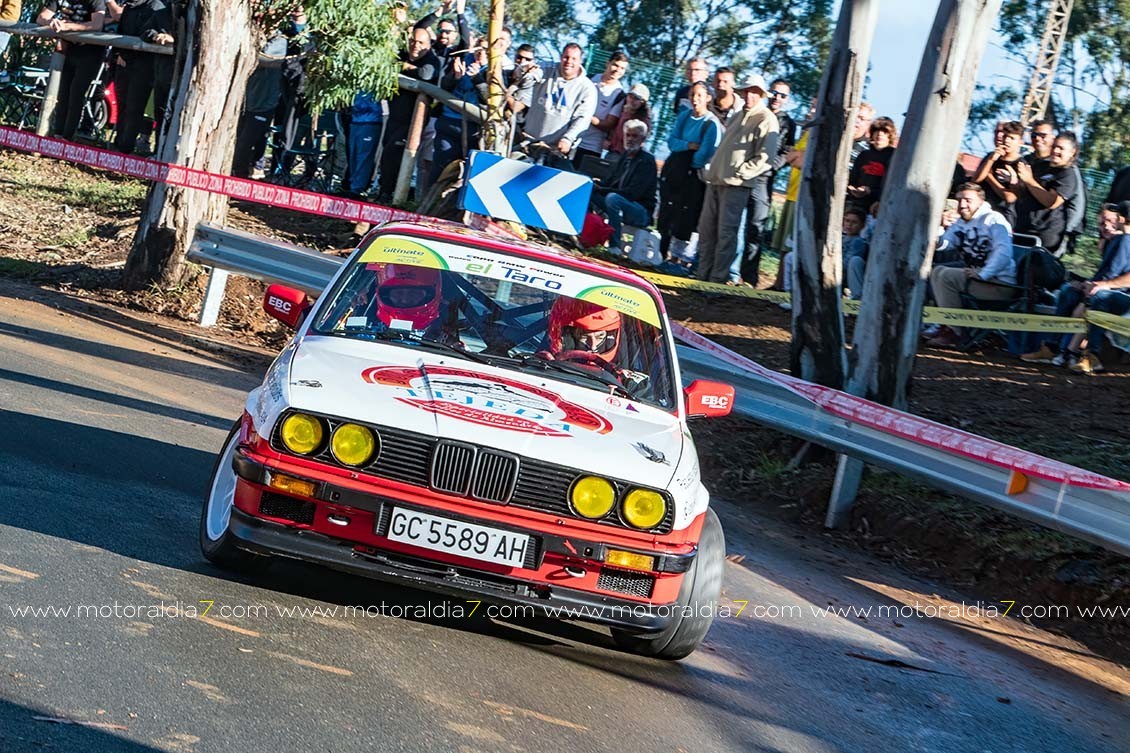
{"x":523,"y":323}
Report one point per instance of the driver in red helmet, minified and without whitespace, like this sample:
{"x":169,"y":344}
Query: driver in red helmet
{"x":408,"y":297}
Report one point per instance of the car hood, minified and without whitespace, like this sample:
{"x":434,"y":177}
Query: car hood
{"x":453,"y":398}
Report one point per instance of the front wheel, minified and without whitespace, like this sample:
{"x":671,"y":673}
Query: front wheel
{"x":695,"y":607}
{"x":216,"y":540}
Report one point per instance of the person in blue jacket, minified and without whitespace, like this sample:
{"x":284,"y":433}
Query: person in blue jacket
{"x":692,"y":142}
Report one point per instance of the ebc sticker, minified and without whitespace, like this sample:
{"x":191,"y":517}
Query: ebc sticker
{"x":394,"y":249}
{"x":495,"y":401}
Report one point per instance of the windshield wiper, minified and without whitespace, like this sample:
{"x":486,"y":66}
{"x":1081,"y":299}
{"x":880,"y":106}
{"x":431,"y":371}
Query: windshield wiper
{"x":391,"y":335}
{"x":602,"y":377}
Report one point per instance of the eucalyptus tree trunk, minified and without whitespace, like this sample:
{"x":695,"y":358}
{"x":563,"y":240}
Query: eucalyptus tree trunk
{"x":902,"y":246}
{"x":817,"y":352}
{"x":216,"y":53}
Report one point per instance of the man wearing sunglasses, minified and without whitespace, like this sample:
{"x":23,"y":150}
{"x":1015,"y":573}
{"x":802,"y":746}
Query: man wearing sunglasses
{"x":1042,"y":135}
{"x":520,"y":83}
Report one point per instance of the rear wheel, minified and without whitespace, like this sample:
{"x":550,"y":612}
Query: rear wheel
{"x":696,"y":604}
{"x":216,"y":540}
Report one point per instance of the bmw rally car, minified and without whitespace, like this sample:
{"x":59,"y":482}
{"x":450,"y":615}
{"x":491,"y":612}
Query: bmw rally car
{"x":487,"y":419}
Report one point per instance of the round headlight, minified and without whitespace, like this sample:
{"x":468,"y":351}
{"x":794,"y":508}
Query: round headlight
{"x":301,"y":433}
{"x":352,"y":444}
{"x":643,"y":508}
{"x":592,"y":497}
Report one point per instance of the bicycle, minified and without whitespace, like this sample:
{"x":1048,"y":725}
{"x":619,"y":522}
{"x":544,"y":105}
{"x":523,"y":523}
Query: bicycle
{"x":310,"y":166}
{"x":29,"y":88}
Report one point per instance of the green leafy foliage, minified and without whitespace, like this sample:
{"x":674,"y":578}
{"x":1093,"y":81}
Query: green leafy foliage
{"x":1096,"y":61}
{"x":356,"y":43}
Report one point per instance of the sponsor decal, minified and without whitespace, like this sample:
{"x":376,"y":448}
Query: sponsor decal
{"x":651,"y":453}
{"x":391,"y":249}
{"x":635,"y":302}
{"x":489,"y":401}
{"x":626,"y":300}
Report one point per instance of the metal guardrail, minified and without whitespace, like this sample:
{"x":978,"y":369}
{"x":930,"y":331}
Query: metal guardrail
{"x":1096,"y":515}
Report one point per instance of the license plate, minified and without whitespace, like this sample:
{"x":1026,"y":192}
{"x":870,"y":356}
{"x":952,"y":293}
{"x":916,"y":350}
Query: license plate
{"x":456,"y":537}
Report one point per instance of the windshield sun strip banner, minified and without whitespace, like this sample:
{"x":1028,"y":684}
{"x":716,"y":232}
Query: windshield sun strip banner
{"x":402,"y":249}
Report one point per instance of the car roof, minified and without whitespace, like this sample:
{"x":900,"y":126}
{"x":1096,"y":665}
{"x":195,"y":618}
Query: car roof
{"x":451,"y":232}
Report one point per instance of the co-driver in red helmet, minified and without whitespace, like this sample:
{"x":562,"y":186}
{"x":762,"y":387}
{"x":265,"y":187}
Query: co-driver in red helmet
{"x":583,"y":327}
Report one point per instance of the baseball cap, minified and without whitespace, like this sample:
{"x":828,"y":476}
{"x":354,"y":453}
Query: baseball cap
{"x":640,"y":91}
{"x":752,"y":81}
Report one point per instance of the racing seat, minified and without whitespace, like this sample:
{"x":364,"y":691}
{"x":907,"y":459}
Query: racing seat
{"x":1030,"y":291}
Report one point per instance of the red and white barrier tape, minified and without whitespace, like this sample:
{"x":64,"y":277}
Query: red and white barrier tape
{"x":907,"y":426}
{"x":178,"y":175}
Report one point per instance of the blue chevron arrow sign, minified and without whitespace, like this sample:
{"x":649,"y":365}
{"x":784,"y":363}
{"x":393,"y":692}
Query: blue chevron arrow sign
{"x":508,"y":189}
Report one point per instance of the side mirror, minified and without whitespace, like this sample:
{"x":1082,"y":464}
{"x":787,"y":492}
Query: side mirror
{"x":708,"y":399}
{"x":285,"y":304}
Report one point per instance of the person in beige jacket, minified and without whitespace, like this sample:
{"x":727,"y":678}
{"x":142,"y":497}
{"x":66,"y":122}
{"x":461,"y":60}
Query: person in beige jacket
{"x":9,"y":11}
{"x":746,"y":152}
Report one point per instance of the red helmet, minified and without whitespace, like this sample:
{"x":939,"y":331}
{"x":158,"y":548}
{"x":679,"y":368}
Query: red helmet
{"x":580,"y":325}
{"x":408,"y":295}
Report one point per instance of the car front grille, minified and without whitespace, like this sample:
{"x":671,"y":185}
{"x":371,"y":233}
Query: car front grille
{"x":469,"y":470}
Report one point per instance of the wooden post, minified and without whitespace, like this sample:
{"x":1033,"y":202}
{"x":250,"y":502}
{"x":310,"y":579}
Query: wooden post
{"x":51,"y":96}
{"x":902,"y":246}
{"x":817,"y":352}
{"x":408,"y":161}
{"x":494,"y":130}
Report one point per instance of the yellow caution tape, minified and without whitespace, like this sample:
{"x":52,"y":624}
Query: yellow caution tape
{"x":1119,"y":324}
{"x":1002,"y":320}
{"x":689,"y":283}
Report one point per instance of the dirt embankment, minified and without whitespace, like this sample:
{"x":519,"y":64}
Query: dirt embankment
{"x":69,"y":228}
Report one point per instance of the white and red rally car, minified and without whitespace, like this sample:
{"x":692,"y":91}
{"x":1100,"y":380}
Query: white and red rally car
{"x":487,"y":419}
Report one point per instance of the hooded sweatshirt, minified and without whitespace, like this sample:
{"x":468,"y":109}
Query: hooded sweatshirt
{"x":562,"y":109}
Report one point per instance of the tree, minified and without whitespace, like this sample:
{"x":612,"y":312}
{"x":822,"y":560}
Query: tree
{"x":356,"y":44}
{"x":215,"y":56}
{"x":902,"y":246}
{"x":817,"y":352}
{"x":771,"y":37}
{"x":1096,"y":62}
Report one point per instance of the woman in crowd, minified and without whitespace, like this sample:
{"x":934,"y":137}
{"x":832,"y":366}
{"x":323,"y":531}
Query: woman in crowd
{"x":692,"y":142}
{"x":865,"y":184}
{"x":636,"y":107}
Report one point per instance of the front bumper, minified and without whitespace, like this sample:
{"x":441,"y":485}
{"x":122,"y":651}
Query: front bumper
{"x":266,"y":537}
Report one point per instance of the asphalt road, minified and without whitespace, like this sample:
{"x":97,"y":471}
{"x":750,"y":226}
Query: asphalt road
{"x":107,"y":437}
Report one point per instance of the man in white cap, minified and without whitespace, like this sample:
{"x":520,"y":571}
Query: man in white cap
{"x":745,"y":154}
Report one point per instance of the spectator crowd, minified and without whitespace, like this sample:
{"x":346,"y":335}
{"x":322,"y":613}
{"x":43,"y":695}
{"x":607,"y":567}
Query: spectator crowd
{"x":1004,"y":227}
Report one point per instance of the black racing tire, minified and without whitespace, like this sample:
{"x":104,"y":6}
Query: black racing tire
{"x":216,"y":540}
{"x":699,"y":595}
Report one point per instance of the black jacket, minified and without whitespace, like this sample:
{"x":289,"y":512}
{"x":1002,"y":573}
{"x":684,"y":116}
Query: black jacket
{"x":145,"y":19}
{"x":635,"y":177}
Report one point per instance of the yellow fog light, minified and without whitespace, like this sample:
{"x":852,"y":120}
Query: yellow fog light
{"x":630,"y":560}
{"x":352,"y":444}
{"x":592,"y":497}
{"x":292,"y":485}
{"x":301,"y":433}
{"x":643,"y":508}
